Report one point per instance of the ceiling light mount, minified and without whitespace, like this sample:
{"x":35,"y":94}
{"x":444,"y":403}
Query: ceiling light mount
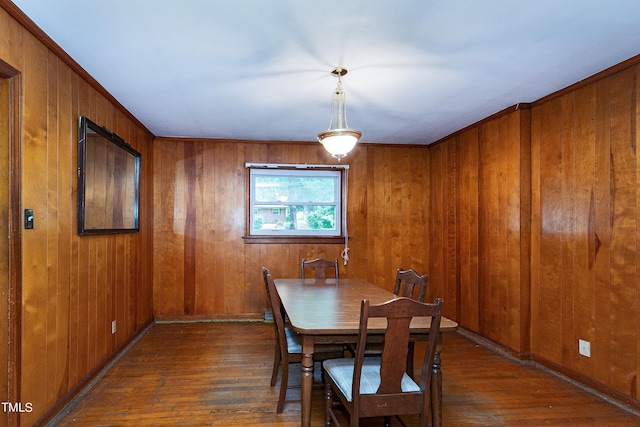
{"x":339,"y":139}
{"x":339,"y":72}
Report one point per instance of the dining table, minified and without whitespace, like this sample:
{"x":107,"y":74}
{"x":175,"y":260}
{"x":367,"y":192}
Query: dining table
{"x":327,"y":311}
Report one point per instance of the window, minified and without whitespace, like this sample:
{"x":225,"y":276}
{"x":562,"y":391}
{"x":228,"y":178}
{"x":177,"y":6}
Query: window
{"x":295,"y":201}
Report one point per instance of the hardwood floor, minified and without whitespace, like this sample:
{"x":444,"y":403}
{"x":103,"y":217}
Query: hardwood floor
{"x":217,"y":374}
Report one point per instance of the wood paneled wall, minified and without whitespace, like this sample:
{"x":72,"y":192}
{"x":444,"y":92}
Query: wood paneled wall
{"x":204,"y":268}
{"x":535,"y":226}
{"x":585,"y":230}
{"x":479,"y":228}
{"x":73,"y":287}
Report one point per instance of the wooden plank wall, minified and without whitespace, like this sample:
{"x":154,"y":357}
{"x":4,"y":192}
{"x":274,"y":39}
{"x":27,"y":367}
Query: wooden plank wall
{"x":73,"y":287}
{"x":479,"y":228}
{"x":585,"y":230}
{"x":443,"y":262}
{"x":534,"y":230}
{"x":203,"y":268}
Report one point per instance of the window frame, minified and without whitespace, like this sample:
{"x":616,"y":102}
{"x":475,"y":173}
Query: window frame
{"x":282,"y":236}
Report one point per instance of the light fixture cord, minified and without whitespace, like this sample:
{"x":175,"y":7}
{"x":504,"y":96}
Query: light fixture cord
{"x":338,"y":107}
{"x":341,"y":100}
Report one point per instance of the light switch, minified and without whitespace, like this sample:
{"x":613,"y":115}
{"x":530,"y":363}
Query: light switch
{"x":28,"y":219}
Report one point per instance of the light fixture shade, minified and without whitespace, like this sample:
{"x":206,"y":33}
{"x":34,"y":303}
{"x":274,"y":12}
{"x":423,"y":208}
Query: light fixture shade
{"x":339,"y":140}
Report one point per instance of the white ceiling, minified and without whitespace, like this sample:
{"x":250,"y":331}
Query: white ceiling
{"x":256,"y":69}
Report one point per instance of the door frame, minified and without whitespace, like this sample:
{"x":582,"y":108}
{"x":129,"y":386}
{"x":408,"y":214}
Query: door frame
{"x":14,"y":303}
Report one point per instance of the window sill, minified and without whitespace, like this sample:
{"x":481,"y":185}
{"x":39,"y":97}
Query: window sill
{"x":292,"y":239}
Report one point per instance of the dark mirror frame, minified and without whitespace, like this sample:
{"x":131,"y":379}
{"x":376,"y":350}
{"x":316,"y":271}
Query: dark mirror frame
{"x":120,"y":181}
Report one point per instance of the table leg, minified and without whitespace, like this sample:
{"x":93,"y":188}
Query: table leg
{"x":436,"y":387}
{"x":307,"y":379}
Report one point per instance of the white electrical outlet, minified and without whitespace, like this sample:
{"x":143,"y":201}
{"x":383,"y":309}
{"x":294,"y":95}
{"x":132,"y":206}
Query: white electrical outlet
{"x":584,"y":347}
{"x":113,"y":327}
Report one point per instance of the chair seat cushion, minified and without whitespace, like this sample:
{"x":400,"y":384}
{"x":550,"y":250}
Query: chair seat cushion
{"x":294,"y":341}
{"x":341,"y":371}
{"x":294,"y":344}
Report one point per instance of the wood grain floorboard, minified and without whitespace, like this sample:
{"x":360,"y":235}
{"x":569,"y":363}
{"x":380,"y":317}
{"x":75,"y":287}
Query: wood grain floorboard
{"x":217,"y":374}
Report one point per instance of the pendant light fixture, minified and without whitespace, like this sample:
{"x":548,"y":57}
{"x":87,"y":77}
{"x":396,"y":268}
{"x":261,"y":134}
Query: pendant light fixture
{"x":339,"y":139}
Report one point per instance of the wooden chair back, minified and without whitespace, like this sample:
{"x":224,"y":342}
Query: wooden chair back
{"x":389,"y":398}
{"x":320,"y":265}
{"x":276,"y":308}
{"x":407,"y":281}
{"x":288,"y":342}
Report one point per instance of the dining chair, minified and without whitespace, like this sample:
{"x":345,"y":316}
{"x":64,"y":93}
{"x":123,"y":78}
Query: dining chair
{"x":406,"y":284}
{"x":276,"y":356}
{"x":380,"y":386}
{"x":407,"y":281}
{"x":320,"y":265}
{"x":288,"y":345}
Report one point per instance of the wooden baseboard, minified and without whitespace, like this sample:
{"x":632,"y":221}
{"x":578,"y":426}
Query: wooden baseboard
{"x":492,"y":345}
{"x":607,"y":393}
{"x":238,"y":317}
{"x":612,"y":396}
{"x":76,"y":394}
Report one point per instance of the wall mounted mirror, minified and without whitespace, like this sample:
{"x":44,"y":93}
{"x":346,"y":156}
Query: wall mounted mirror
{"x":108,"y":181}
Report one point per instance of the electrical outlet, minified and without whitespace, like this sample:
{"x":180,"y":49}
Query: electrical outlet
{"x":113,"y":327}
{"x":584,"y":347}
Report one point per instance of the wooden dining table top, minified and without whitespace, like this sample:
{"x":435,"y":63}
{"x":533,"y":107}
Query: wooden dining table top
{"x":332,"y":307}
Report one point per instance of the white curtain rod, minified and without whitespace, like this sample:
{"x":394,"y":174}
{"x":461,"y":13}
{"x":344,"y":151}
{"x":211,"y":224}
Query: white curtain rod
{"x":294,"y":166}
